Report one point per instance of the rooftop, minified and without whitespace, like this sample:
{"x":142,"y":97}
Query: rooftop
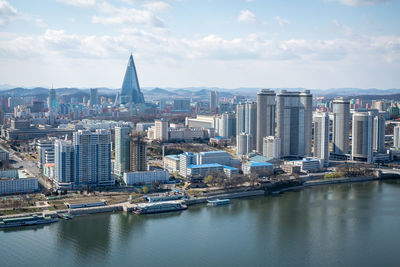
{"x":230,"y":168}
{"x":258,"y":158}
{"x":172,"y":156}
{"x":210,"y":165}
{"x":213,"y":152}
{"x":256,"y":164}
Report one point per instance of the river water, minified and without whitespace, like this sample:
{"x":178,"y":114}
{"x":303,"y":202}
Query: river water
{"x":335,"y":225}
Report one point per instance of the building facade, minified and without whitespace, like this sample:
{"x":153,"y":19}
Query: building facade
{"x":122,"y":149}
{"x":213,"y":101}
{"x":272,"y":147}
{"x":321,"y":137}
{"x":265,"y":116}
{"x":138,"y":154}
{"x":341,"y":126}
{"x":362,"y":136}
{"x":92,"y":158}
{"x":291,"y":121}
{"x":379,"y":133}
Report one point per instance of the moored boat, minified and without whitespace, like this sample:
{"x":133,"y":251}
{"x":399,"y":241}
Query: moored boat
{"x":26,"y":221}
{"x":158,"y":207}
{"x":218,"y":202}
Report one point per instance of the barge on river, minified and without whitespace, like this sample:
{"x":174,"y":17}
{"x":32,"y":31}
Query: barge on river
{"x":26,"y":221}
{"x":158,"y":207}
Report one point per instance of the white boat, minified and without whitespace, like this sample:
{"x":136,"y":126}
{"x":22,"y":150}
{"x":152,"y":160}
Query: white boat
{"x":218,"y":202}
{"x":158,"y":207}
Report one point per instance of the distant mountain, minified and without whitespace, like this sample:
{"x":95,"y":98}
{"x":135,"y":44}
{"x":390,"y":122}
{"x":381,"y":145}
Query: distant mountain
{"x":196,"y":92}
{"x":19,"y":91}
{"x":7,"y":86}
{"x":160,"y":91}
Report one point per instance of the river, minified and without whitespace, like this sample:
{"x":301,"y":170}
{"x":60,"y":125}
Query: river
{"x":334,"y":225}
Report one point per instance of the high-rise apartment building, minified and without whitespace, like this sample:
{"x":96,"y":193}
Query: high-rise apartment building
{"x":138,"y":156}
{"x":44,"y":146}
{"x":251,"y":122}
{"x":265,"y":116}
{"x":93,"y":97}
{"x":122,"y":149}
{"x":52,"y":99}
{"x":92,"y":158}
{"x":306,"y":102}
{"x":64,"y":159}
{"x":396,"y":137}
{"x":246,"y":121}
{"x":292,"y":115}
{"x":362,"y":136}
{"x":243,"y":144}
{"x":227,"y":125}
{"x":341,"y":126}
{"x":379,"y":133}
{"x":161,"y":130}
{"x":272,"y":147}
{"x":240,"y":118}
{"x":321,"y":137}
{"x":213,"y":101}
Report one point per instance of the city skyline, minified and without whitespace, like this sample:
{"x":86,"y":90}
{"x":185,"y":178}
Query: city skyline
{"x":84,"y":43}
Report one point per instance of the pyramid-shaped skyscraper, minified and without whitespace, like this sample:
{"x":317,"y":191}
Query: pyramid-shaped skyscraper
{"x":130,"y":91}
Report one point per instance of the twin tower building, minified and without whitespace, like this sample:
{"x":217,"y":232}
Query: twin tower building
{"x":278,"y":125}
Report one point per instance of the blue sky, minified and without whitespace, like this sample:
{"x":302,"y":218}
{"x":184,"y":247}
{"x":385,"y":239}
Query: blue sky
{"x":178,"y":43}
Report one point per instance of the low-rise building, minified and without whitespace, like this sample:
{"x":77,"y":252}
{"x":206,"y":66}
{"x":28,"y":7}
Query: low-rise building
{"x":171,"y":163}
{"x":230,"y":171}
{"x":220,"y":140}
{"x":307,"y":164}
{"x":14,"y":181}
{"x":257,"y":167}
{"x":48,"y":170}
{"x":4,"y":155}
{"x":145,"y":177}
{"x":290,"y":169}
{"x":199,"y":171}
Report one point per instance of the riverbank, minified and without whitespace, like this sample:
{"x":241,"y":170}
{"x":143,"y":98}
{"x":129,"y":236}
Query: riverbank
{"x":267,"y":190}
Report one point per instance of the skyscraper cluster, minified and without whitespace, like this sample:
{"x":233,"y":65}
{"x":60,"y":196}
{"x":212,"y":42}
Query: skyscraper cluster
{"x":280,"y":124}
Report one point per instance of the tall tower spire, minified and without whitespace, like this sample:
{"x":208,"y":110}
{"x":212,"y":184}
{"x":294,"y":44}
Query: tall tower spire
{"x":130,"y":91}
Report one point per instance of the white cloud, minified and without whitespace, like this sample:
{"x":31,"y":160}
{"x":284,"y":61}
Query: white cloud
{"x":281,"y":21}
{"x":157,"y":6}
{"x":156,"y":46}
{"x":78,"y":3}
{"x":123,"y":15}
{"x":246,"y":16}
{"x":7,"y":12}
{"x":362,"y":2}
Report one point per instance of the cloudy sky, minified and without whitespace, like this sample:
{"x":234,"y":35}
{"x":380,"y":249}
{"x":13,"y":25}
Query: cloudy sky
{"x":222,"y":43}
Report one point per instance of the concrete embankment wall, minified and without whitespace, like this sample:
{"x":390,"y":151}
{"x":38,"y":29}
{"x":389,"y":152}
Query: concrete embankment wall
{"x":329,"y":181}
{"x":225,"y":195}
{"x":341,"y":181}
{"x":84,"y":211}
